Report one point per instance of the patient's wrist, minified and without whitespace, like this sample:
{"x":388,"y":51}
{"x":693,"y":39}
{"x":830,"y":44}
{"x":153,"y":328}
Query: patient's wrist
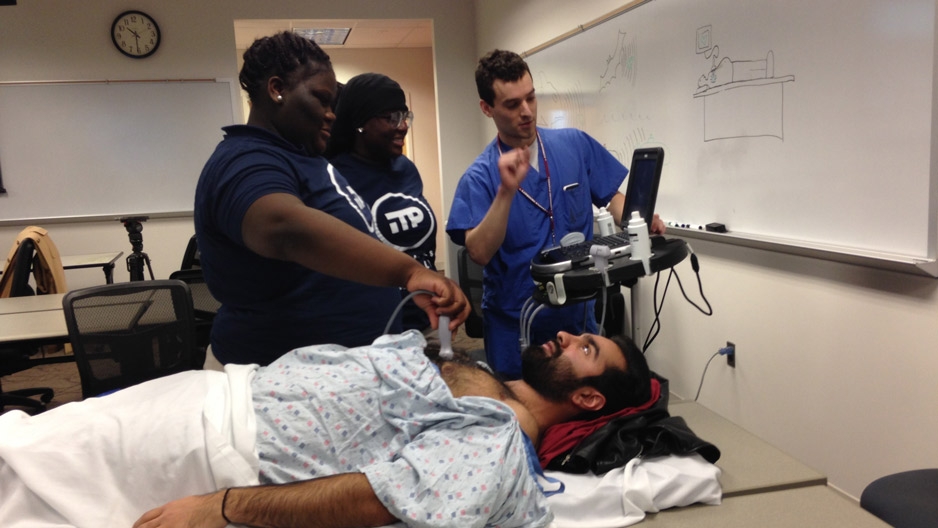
{"x":224,"y":503}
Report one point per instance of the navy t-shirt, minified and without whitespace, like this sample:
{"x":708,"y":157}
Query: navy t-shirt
{"x":403,"y":216}
{"x":270,"y":306}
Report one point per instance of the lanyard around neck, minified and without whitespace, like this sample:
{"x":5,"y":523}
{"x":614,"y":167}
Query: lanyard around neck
{"x":549,"y":210}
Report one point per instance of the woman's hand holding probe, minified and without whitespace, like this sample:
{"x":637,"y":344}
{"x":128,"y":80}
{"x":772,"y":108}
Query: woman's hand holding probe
{"x":448,"y":298}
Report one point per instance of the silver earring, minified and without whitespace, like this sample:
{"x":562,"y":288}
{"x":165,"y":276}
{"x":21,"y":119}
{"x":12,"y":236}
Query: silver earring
{"x":359,"y":129}
{"x":279,"y":98}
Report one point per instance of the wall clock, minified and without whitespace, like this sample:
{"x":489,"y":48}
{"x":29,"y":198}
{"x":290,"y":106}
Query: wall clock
{"x":135,"y":34}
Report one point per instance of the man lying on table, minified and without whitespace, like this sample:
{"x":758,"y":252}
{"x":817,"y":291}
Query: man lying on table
{"x":325,"y":436}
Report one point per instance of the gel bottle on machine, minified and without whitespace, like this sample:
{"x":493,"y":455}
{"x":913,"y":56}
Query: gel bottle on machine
{"x":605,"y":223}
{"x":640,"y":241}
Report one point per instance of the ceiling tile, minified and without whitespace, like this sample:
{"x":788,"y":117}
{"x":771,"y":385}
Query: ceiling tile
{"x":366,"y":33}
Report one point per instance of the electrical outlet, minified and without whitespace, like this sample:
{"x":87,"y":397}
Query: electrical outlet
{"x":731,"y":356}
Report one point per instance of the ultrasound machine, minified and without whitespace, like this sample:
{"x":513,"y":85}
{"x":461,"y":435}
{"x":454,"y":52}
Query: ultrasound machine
{"x":568,"y":273}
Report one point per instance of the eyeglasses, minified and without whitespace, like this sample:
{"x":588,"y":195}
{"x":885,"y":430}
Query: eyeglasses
{"x":396,"y":119}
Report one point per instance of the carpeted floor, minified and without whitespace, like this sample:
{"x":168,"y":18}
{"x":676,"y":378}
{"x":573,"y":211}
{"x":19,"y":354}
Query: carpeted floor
{"x":60,"y":377}
{"x":63,"y":377}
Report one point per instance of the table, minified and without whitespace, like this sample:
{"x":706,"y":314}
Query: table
{"x":42,"y":327}
{"x":31,"y":303}
{"x":749,"y":464}
{"x":807,"y":506}
{"x":105,"y":261}
{"x":34,"y":320}
{"x":762,"y":485}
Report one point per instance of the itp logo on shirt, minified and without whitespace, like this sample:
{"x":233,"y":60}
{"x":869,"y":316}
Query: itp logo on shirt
{"x":405,"y":219}
{"x":402,"y":221}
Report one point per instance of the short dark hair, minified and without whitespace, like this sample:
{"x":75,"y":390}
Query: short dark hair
{"x":623,"y":388}
{"x":277,"y":56}
{"x":506,"y":66}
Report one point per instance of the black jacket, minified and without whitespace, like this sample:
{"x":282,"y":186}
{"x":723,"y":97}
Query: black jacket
{"x":650,"y":433}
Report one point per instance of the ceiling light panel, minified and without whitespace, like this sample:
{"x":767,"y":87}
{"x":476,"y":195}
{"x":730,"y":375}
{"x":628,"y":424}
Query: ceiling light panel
{"x":324,"y":36}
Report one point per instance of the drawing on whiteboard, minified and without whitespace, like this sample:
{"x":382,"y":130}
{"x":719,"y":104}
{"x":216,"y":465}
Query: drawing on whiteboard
{"x":636,"y":139}
{"x":640,"y":139}
{"x":620,"y":63}
{"x":565,"y":108}
{"x":741,"y":98}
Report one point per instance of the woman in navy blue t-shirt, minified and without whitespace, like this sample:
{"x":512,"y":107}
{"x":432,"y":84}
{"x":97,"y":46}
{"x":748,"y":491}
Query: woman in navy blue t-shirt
{"x":367,"y":145}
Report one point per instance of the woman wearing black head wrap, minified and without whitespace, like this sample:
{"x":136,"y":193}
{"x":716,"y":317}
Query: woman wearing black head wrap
{"x":367,"y":144}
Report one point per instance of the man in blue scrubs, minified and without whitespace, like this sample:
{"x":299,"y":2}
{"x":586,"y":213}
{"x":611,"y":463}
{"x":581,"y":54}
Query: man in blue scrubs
{"x":528,"y":189}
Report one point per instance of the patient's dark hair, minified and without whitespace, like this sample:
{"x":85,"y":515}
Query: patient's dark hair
{"x":277,"y":56}
{"x":506,"y":66}
{"x":622,"y":388}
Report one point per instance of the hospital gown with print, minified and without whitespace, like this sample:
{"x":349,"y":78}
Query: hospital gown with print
{"x":432,"y":459}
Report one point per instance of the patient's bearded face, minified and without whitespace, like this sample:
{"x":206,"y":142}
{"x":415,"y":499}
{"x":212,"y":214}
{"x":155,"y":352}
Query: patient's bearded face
{"x":550,"y":374}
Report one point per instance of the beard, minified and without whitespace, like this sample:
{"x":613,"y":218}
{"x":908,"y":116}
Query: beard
{"x":550,"y":376}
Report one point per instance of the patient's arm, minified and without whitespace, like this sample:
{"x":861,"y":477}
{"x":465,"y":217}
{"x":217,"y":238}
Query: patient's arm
{"x":339,"y":501}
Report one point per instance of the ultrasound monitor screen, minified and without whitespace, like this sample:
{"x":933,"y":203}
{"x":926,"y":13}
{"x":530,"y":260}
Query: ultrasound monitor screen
{"x":642,"y":190}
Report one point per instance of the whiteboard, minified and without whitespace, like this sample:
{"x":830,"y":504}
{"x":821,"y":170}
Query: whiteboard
{"x":807,"y":121}
{"x":118,"y":148}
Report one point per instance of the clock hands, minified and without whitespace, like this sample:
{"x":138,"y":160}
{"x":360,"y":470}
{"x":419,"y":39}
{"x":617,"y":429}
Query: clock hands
{"x":136,"y":38}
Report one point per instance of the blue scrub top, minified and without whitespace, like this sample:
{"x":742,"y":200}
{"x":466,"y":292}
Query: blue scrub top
{"x":582,"y":174}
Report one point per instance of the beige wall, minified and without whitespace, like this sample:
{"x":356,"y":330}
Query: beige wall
{"x":836,"y":364}
{"x":64,"y":40}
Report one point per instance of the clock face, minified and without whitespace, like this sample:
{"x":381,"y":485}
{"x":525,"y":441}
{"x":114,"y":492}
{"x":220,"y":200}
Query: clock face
{"x":135,"y":34}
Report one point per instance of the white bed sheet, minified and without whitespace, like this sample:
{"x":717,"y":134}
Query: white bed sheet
{"x":135,"y":457}
{"x":624,"y":495}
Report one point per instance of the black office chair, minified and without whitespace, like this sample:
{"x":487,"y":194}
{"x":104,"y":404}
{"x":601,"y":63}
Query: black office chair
{"x":470,"y":280}
{"x":205,"y":307}
{"x":192,"y":257}
{"x":904,"y":500}
{"x":22,"y":269}
{"x":124,"y":334}
{"x":16,"y":359}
